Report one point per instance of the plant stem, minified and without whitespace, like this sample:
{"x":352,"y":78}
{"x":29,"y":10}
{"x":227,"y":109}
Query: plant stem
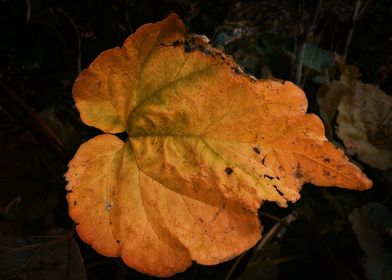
{"x":265,"y":240}
{"x":360,"y":7}
{"x":11,"y":102}
{"x":299,"y":62}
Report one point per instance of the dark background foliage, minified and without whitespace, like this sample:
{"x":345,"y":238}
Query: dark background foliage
{"x":44,"y":44}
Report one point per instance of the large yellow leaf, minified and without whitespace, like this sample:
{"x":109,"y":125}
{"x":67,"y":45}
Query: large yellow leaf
{"x":207,"y":145}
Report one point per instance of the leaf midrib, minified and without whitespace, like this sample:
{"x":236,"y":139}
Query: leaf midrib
{"x":203,"y":139}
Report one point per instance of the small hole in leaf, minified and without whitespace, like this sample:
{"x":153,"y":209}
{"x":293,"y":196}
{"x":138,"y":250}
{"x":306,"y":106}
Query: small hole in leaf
{"x":228,"y":170}
{"x":276,"y":188}
{"x":256,"y":150}
{"x":188,"y":47}
{"x":176,"y":43}
{"x":108,"y":205}
{"x":123,"y":135}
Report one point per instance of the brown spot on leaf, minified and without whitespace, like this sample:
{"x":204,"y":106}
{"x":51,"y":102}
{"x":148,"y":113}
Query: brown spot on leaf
{"x":298,"y":173}
{"x":236,"y":70}
{"x":263,"y":160}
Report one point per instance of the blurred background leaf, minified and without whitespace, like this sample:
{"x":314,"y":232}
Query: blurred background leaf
{"x":372,"y":225}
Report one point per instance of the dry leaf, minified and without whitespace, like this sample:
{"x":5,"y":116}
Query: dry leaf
{"x":40,"y":258}
{"x":206,"y":146}
{"x":330,"y":94}
{"x":365,"y":123}
{"x":372,"y":225}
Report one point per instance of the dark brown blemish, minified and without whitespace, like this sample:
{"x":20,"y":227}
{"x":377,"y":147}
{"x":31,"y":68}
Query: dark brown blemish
{"x":228,"y":170}
{"x":174,"y":44}
{"x":235,"y":70}
{"x":189,"y":47}
{"x":75,"y":203}
{"x":263,"y":160}
{"x":298,"y":174}
{"x":194,"y":188}
{"x":276,"y":188}
{"x":256,"y":150}
{"x":268,"y":177}
{"x":118,"y":241}
{"x":326,"y":160}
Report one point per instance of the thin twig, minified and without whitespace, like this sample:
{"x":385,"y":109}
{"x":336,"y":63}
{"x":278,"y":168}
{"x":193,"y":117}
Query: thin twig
{"x":28,"y":11}
{"x":285,"y":259}
{"x":77,"y":35}
{"x":11,"y":102}
{"x":264,"y":241}
{"x":299,"y":61}
{"x":235,"y":264}
{"x":360,"y":7}
{"x":301,"y":41}
{"x":280,"y":220}
{"x":269,"y":236}
{"x":58,"y":10}
{"x":304,"y":34}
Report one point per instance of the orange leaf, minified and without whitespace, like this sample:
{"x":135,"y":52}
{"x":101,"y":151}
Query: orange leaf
{"x":207,"y":145}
